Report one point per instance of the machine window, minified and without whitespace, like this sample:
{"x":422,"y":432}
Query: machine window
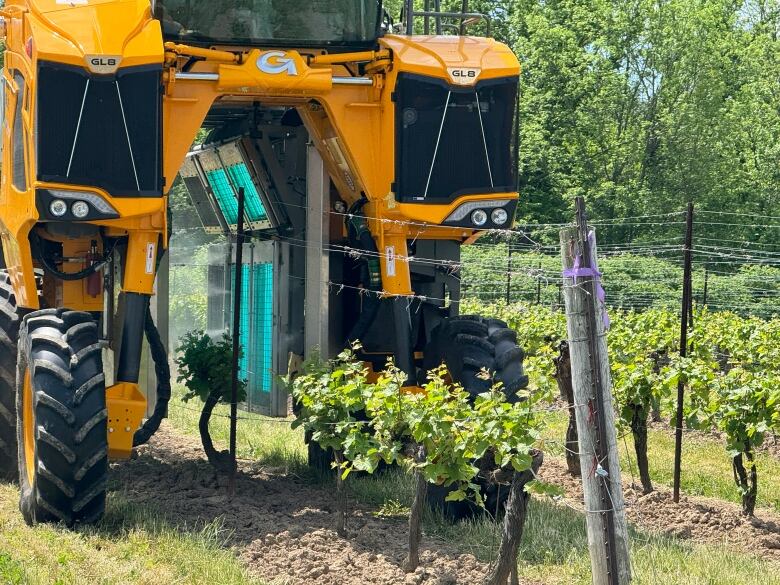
{"x":271,"y":22}
{"x":18,"y":161}
{"x":454,"y":141}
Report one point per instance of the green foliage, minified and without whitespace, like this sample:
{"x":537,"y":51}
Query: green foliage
{"x":381,"y":421}
{"x":631,"y":281}
{"x":205,"y":366}
{"x":642,"y":106}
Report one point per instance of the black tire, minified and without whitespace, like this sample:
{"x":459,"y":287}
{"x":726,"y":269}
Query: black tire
{"x":9,"y":336}
{"x":468,"y":346}
{"x":68,"y":452}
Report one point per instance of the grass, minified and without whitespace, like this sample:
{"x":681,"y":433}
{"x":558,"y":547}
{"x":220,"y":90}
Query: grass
{"x":706,"y":467}
{"x":554,"y":549}
{"x":269,"y":441}
{"x":132,"y":545}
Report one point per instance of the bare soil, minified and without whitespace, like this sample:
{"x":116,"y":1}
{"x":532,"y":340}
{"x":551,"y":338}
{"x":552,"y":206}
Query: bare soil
{"x":282,"y":527}
{"x":704,"y":520}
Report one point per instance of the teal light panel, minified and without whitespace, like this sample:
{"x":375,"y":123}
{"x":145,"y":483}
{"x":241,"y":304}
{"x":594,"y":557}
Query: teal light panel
{"x":239,"y":174}
{"x":224,"y":194}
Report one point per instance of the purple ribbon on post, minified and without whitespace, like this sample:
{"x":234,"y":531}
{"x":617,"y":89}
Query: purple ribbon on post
{"x":580,"y":271}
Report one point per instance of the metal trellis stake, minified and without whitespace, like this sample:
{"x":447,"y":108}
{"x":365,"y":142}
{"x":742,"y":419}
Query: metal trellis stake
{"x":236,"y":338}
{"x":587,"y":327}
{"x":685,"y":319}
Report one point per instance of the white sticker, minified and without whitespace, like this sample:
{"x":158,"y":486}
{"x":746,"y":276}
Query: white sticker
{"x":150,"y":258}
{"x":390,"y":255}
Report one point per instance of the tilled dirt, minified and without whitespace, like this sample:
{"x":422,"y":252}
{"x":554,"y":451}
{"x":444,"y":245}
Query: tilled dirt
{"x":698,"y":519}
{"x":281,"y":526}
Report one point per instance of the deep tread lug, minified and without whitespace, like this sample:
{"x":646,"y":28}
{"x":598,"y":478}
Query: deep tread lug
{"x":71,"y":451}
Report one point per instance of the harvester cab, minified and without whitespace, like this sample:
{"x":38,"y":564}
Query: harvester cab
{"x":368,"y":153}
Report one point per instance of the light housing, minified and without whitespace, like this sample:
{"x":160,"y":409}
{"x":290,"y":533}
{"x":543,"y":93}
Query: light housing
{"x":479,"y":217}
{"x":58,"y":208}
{"x":80,"y":209}
{"x":77,"y":205}
{"x":499,"y":216}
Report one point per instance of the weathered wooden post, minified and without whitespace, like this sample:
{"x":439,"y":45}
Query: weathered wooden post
{"x":587,"y":325}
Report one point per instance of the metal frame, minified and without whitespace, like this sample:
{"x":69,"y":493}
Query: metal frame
{"x":437,"y":15}
{"x":316,"y":328}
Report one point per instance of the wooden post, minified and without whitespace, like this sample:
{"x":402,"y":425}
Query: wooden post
{"x":236,"y":338}
{"x":605,"y":510}
{"x":684,"y":324}
{"x":563,"y":377}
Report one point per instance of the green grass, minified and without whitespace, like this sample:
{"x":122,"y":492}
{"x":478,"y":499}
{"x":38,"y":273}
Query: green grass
{"x":130,"y":546}
{"x":554,"y":548}
{"x":269,"y":441}
{"x":133,"y":545}
{"x":706,"y":467}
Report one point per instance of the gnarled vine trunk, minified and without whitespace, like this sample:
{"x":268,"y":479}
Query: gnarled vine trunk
{"x":563,"y":377}
{"x":746,"y":479}
{"x":505,"y":565}
{"x":639,"y":432}
{"x":220,"y":460}
{"x":341,"y":496}
{"x":415,"y":516}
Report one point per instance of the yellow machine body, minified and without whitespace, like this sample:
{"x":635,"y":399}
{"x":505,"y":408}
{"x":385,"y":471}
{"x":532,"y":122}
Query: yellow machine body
{"x":352,"y":125}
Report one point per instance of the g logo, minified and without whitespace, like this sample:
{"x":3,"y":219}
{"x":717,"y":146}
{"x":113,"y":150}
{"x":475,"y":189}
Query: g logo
{"x":275,"y":62}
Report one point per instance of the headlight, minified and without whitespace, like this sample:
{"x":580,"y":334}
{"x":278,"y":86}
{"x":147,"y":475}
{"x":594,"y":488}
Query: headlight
{"x":58,"y":208}
{"x":499,"y":216}
{"x":479,"y":217}
{"x":80,"y":209}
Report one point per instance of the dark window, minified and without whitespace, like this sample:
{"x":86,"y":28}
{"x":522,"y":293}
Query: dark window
{"x":101,"y":131}
{"x":271,"y":22}
{"x":454,"y":141}
{"x":18,"y":154}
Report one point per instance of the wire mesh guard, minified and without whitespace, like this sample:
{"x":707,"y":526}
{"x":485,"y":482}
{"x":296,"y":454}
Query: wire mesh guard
{"x":256,"y":335}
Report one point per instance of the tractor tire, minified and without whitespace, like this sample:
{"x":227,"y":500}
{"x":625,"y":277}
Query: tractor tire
{"x":9,"y":336}
{"x":477,"y":354}
{"x":61,"y":418}
{"x":469,"y":346}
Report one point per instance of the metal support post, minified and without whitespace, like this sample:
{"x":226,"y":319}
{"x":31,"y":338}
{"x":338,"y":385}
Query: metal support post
{"x":236,"y":338}
{"x":684,"y":324}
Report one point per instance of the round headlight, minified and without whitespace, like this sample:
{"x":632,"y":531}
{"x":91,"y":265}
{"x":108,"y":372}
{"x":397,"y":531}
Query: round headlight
{"x":80,"y":209}
{"x":58,"y":208}
{"x":499,"y":216}
{"x":479,"y":217}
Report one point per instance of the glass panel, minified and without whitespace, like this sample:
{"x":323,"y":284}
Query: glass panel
{"x":252,"y":22}
{"x":18,"y":162}
{"x":454,"y":141}
{"x":101,"y":131}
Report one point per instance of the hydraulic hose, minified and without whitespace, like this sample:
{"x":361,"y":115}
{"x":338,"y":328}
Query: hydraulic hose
{"x":371,"y":278}
{"x":163,"y":372}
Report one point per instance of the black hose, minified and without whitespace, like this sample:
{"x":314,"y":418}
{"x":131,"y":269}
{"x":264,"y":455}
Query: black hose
{"x":361,"y":238}
{"x":87,"y":272}
{"x":70,"y":277}
{"x":163,"y":373}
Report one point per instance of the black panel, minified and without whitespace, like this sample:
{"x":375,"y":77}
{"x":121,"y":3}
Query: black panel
{"x":452,"y":140}
{"x":200,"y":201}
{"x":101,"y":130}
